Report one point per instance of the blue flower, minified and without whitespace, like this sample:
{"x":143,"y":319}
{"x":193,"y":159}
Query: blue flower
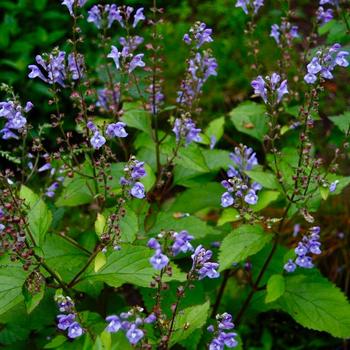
{"x":134,"y":334}
{"x":138,"y":190}
{"x":116,"y":130}
{"x":75,"y":330}
{"x":97,"y":140}
{"x":139,"y":16}
{"x":159,"y":260}
{"x":114,"y":324}
{"x":114,"y":54}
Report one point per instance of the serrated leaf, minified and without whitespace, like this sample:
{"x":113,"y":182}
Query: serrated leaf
{"x":275,"y":288}
{"x":191,"y":157}
{"x":228,"y":215}
{"x":243,"y":242}
{"x":129,"y":226}
{"x":56,"y":342}
{"x":316,"y":303}
{"x":12,"y":277}
{"x":137,"y":118}
{"x":100,"y":261}
{"x":128,"y":265}
{"x":39,"y":216}
{"x":189,"y":320}
{"x":249,"y":118}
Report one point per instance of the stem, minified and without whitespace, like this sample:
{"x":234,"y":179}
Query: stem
{"x":221,"y":293}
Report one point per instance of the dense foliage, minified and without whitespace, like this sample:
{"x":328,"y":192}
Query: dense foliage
{"x":174,"y":175}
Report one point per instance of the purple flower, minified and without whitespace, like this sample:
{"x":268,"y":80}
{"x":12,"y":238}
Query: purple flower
{"x":324,"y":16}
{"x":203,"y":35}
{"x":45,"y":167}
{"x":138,"y":170}
{"x":76,"y":65}
{"x":182,"y":242}
{"x":113,"y":14}
{"x":243,"y":4}
{"x":259,"y":88}
{"x":114,"y":324}
{"x":282,"y":90}
{"x":134,"y":335}
{"x":97,"y":140}
{"x":333,"y":186}
{"x":301,"y":249}
{"x":251,"y":197}
{"x":244,"y":158}
{"x":136,"y":62}
{"x":227,"y":200}
{"x":226,"y":322}
{"x":314,"y":66}
{"x":159,"y":260}
{"x":304,"y":261}
{"x":201,"y":265}
{"x":95,"y":16}
{"x":341,"y":60}
{"x":116,"y":130}
{"x":139,"y":16}
{"x":91,"y":126}
{"x":150,"y":318}
{"x":70,"y":3}
{"x":153,"y":244}
{"x":186,"y":128}
{"x":229,"y":339}
{"x":290,"y":266}
{"x":75,"y":330}
{"x":208,"y":270}
{"x":310,"y":78}
{"x":275,"y":33}
{"x":65,"y":321}
{"x":54,"y":66}
{"x":28,"y":107}
{"x":114,"y":54}
{"x":138,"y":190}
{"x":50,"y":191}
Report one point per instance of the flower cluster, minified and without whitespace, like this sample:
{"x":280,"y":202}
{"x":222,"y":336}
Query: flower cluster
{"x":70,"y":5}
{"x":67,"y":322}
{"x":112,"y":130}
{"x":55,"y":68}
{"x":222,"y":337}
{"x":201,"y":65}
{"x":325,"y":15}
{"x":15,"y":121}
{"x":180,"y":244}
{"x":250,"y":6}
{"x":185,"y":129}
{"x":271,"y":90}
{"x":324,"y":62}
{"x":201,"y":266}
{"x":198,"y":35}
{"x":131,"y":328}
{"x":134,"y":171}
{"x":105,"y":16}
{"x":309,"y":245}
{"x":285,"y":32}
{"x":239,"y":186}
{"x":107,"y":99}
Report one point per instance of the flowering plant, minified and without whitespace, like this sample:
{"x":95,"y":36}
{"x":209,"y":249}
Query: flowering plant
{"x":126,"y":232}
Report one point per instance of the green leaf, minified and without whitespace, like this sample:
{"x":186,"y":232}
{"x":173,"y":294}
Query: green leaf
{"x":199,"y":197}
{"x":191,"y":157}
{"x":265,"y":198}
{"x":150,"y":179}
{"x":100,"y":261}
{"x":266,"y":180}
{"x":342,"y":121}
{"x":249,"y":118}
{"x":189,"y":320}
{"x":316,"y":303}
{"x":100,"y":224}
{"x":39,"y":216}
{"x":243,"y":242}
{"x":12,"y":277}
{"x":324,"y":192}
{"x":275,"y":288}
{"x":216,"y":129}
{"x":56,"y":342}
{"x":129,"y":265}
{"x":216,"y":159}
{"x":129,"y":226}
{"x":137,"y":118}
{"x":77,"y":191}
{"x":228,"y":215}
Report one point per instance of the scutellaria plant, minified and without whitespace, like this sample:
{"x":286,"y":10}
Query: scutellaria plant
{"x":136,"y":228}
